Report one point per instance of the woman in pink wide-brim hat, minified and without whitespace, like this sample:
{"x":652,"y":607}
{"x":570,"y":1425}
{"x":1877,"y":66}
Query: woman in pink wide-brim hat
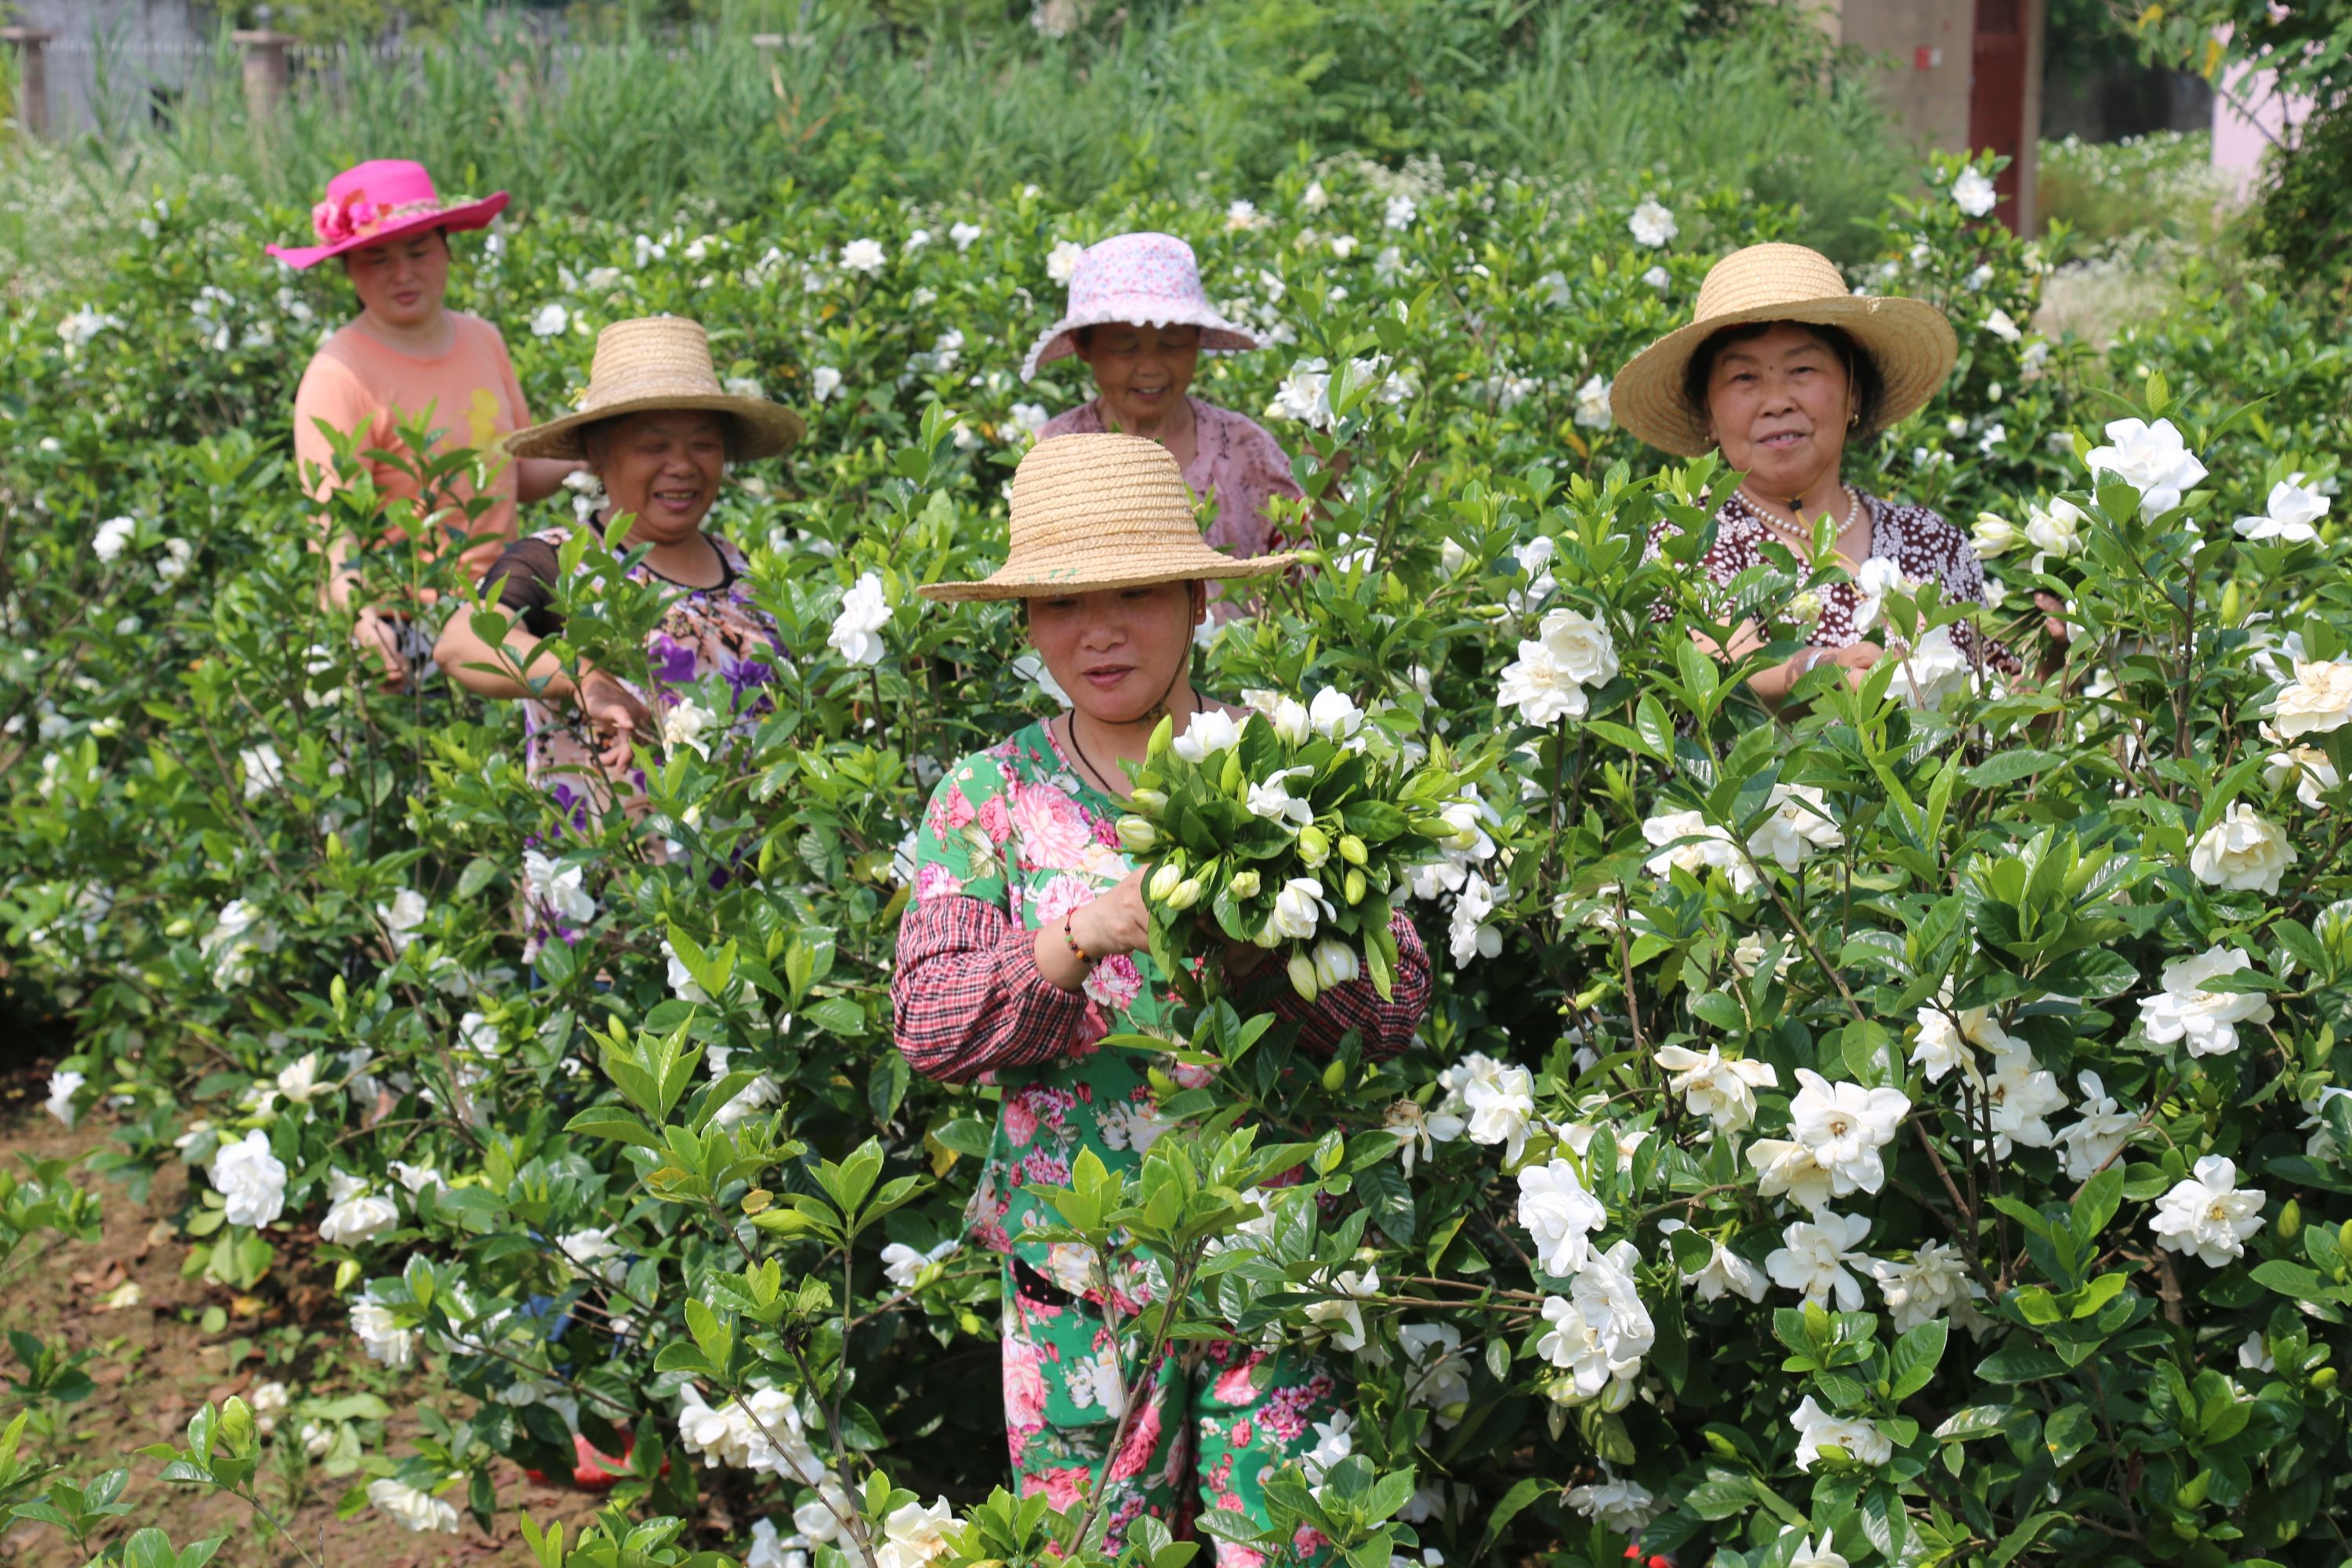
{"x":1139,"y":318}
{"x":407,"y":357}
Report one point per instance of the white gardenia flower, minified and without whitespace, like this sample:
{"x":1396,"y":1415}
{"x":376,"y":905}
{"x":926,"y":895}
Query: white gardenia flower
{"x":1399,"y":213}
{"x":823,"y":382}
{"x":963,"y":234}
{"x":2096,"y":1139}
{"x":1468,"y":934}
{"x":1333,"y":714}
{"x":1800,"y":824}
{"x":1062,"y":261}
{"x":2320,"y":1140}
{"x":2255,"y":1355}
{"x":1946,"y":1037}
{"x":1817,"y":1257}
{"x":1600,"y":1330}
{"x":1336,"y":963}
{"x":2152,"y":458}
{"x":903,"y":1265}
{"x":550,"y":321}
{"x":173,"y":564}
{"x":866,"y":256}
{"x":1995,"y":535}
{"x":1334,"y":1440}
{"x":263,"y":770}
{"x":251,"y":1178}
{"x":1931,"y":1285}
{"x":729,"y":1434}
{"x":557,"y":887}
{"x":416,"y":1509}
{"x":380,"y":1333}
{"x":2313,"y":773}
{"x":2315,"y":702}
{"x":1592,"y":411}
{"x":1934,"y":670}
{"x":1560,"y":1215}
{"x":1973,"y":193}
{"x":63,"y":1086}
{"x":1499,"y":1104}
{"x":2291,"y":516}
{"x":2209,"y":1217}
{"x":1615,"y":1502}
{"x":769,"y":1551}
{"x":2206,"y":1020}
{"x":1652,"y":224}
{"x":914,"y":1534}
{"x":2056,"y":529}
{"x":2241,"y":852}
{"x":857,"y":633}
{"x":1788,"y":1169}
{"x":1722,"y":1091}
{"x":1818,"y":1428}
{"x":1572,"y":652}
{"x":1724,"y":1273}
{"x":1808,"y":1556}
{"x":404,"y":917}
{"x":1207,"y":734}
{"x":2021,"y":1096}
{"x":1713,"y":847}
{"x":1439,"y":1378}
{"x":357,"y":1214}
{"x":1299,"y":908}
{"x":114,"y":537}
{"x":1844,"y":1126}
{"x":1999,"y":325}
{"x":83,"y":325}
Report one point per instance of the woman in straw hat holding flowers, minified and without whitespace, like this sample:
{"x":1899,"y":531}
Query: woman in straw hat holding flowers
{"x":405,"y":357}
{"x":657,"y":430}
{"x":1139,"y":318}
{"x":1780,"y":368}
{"x":1026,"y":945}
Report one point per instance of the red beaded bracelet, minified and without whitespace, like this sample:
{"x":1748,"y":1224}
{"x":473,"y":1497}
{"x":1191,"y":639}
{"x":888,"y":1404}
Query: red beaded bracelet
{"x":1073,"y":941}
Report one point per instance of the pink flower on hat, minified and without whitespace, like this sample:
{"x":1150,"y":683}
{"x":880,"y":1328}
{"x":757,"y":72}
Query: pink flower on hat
{"x":1148,"y":279}
{"x":382,"y":200}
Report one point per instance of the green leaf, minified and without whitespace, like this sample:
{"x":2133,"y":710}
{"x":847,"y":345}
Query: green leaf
{"x":1912,"y":1362}
{"x":612,"y":1122}
{"x":836,"y":1015}
{"x":2006,"y":767}
{"x":1526,"y":1491}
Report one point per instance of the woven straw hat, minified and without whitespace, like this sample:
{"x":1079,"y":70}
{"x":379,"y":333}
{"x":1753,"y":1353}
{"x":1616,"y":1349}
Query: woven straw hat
{"x":1908,"y":340}
{"x":1092,"y":512}
{"x":660,"y":361}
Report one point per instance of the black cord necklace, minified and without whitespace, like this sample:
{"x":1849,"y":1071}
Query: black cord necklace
{"x":1159,"y":709}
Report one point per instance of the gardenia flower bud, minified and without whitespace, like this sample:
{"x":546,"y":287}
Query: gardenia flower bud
{"x":1354,"y":887}
{"x":1148,"y":800}
{"x":1302,"y":976}
{"x":1314,"y":845}
{"x":1352,"y":850}
{"x":1164,"y":880}
{"x":1244,"y":885}
{"x":1184,"y":895}
{"x":1298,"y":907}
{"x":1137,"y":836}
{"x":1336,"y":963}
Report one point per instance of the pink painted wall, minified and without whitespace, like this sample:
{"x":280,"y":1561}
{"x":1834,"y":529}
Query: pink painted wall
{"x":2251,"y":116}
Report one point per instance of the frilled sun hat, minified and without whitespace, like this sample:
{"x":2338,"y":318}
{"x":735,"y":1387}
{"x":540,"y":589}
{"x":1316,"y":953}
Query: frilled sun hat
{"x":660,"y":361}
{"x":1096,"y":512}
{"x":1908,"y":340}
{"x":378,"y":201}
{"x":1146,"y":279}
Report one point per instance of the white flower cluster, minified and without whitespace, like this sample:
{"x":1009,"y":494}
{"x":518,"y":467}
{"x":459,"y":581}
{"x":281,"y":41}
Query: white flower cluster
{"x":764,"y":1433}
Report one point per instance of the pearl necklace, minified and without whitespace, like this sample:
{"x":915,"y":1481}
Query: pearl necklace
{"x":1791,"y":533}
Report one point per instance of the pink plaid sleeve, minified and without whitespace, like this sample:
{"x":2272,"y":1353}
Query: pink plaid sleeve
{"x":1386,"y":1027}
{"x":967,"y":997}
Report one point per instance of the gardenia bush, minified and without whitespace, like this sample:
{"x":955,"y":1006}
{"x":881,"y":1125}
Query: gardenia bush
{"x":1906,"y":1134}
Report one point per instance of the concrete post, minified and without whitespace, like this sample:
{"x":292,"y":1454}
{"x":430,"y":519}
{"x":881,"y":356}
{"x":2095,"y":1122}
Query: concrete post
{"x":32,"y":76}
{"x":268,"y":70}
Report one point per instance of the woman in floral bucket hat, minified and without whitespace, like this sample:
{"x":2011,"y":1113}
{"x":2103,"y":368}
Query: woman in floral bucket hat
{"x":405,"y":353}
{"x":1026,"y":945}
{"x":1780,"y":368}
{"x":1139,"y":318}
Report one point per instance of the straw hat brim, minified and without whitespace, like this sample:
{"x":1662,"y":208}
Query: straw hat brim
{"x":762,"y":429}
{"x":1060,"y":341}
{"x":471,"y":216}
{"x":1108,"y":571}
{"x":1910,"y":341}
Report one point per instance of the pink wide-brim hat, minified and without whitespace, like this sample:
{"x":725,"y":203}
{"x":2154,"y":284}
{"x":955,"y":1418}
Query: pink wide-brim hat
{"x":1141,"y":279}
{"x":377,"y":203}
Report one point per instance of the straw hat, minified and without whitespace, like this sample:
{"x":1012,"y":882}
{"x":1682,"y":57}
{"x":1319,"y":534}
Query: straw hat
{"x":1908,"y":340}
{"x":377,"y":202}
{"x":1092,"y":512}
{"x":1145,"y":279}
{"x":660,"y":361}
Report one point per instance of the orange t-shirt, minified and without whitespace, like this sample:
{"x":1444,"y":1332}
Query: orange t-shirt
{"x":356,"y":382}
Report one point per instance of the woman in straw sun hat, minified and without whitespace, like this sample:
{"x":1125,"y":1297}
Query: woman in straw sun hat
{"x":1780,"y":369}
{"x":1139,"y":318}
{"x":657,"y":430}
{"x":1026,"y":945}
{"x":407,"y":357}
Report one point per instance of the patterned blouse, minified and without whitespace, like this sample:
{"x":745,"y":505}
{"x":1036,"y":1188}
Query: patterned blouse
{"x":1921,"y":544}
{"x":706,"y":631}
{"x":1235,"y":459}
{"x":1013,"y":839}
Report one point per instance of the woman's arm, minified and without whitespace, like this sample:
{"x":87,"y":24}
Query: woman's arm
{"x":967,"y":996}
{"x":1772,"y":685}
{"x":1387,"y":1026}
{"x":463,"y":654}
{"x":536,"y":479}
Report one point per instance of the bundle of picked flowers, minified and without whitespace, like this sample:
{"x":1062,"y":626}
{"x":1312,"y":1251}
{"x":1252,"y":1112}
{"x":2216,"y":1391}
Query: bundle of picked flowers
{"x":1291,"y":829}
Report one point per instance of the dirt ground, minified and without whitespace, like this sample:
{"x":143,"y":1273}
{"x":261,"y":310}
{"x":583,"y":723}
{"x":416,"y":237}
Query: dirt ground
{"x":156,"y":1365}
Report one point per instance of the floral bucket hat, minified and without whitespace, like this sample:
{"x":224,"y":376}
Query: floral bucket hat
{"x":377,"y":202}
{"x":1144,"y":280}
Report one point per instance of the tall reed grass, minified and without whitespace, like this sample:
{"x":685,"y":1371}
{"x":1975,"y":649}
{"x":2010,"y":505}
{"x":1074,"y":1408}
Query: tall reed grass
{"x":641,"y":123}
